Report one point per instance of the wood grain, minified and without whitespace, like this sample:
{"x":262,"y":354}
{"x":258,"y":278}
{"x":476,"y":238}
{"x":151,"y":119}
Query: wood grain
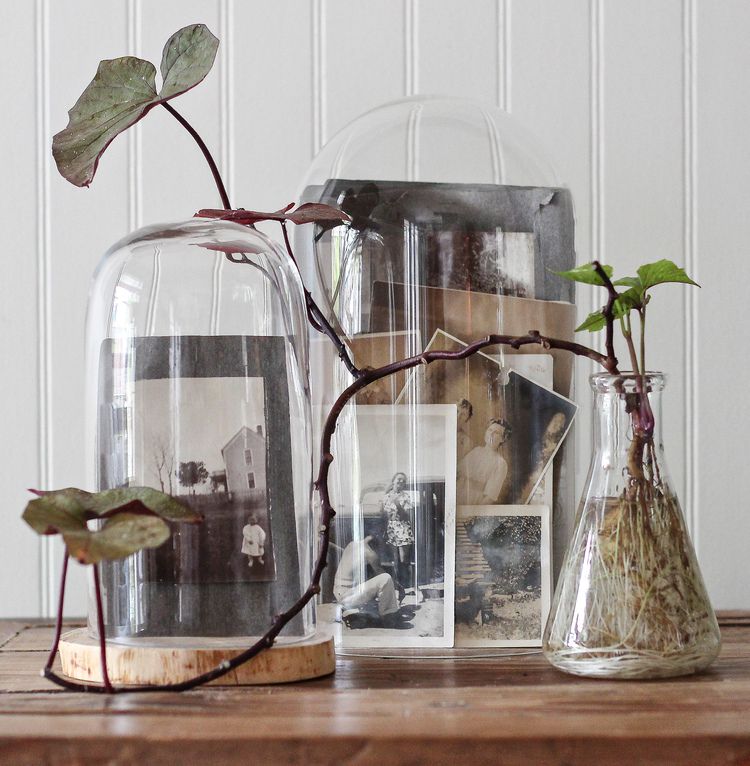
{"x":500,"y":710}
{"x":137,"y":665}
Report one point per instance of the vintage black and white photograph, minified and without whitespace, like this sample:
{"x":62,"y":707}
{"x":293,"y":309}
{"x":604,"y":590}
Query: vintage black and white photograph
{"x":509,"y":427}
{"x":205,"y":419}
{"x":503,"y":575}
{"x":391,"y":563}
{"x":203,"y":440}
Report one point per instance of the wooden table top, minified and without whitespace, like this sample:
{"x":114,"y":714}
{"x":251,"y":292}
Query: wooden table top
{"x":391,"y":712}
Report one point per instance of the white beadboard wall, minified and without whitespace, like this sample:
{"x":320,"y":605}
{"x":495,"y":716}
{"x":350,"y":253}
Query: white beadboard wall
{"x":643,"y":108}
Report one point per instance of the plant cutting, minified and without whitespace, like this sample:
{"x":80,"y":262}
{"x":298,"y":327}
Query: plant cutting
{"x":122,"y":93}
{"x":630,"y":600}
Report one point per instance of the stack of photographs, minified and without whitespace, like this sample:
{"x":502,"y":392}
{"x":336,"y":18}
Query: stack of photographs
{"x":444,"y":534}
{"x":443,"y":500}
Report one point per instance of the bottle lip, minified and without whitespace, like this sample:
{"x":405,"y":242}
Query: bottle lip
{"x":627,"y":382}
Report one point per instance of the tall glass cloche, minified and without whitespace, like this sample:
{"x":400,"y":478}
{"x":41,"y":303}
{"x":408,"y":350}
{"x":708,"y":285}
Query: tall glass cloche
{"x":458,"y":223}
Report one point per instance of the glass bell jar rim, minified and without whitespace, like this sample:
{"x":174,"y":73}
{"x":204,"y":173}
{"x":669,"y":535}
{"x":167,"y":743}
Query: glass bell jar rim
{"x":186,"y":225}
{"x":505,"y":140}
{"x":605,"y":382}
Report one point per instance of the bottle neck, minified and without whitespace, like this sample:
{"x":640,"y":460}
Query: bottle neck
{"x":628,"y":427}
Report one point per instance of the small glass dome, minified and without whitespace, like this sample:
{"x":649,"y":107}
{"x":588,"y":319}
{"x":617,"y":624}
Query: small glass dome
{"x":458,"y":224}
{"x":197,"y":354}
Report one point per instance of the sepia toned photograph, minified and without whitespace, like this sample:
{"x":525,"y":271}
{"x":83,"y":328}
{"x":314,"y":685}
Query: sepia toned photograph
{"x":503,"y":575}
{"x":391,"y":568}
{"x":509,"y":427}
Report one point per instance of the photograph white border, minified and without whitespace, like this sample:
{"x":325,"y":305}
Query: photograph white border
{"x":346,"y":638}
{"x":545,"y":552}
{"x":410,"y":381}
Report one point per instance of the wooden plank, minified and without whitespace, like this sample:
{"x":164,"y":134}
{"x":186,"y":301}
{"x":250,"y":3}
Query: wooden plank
{"x":9,"y":630}
{"x":484,"y":711}
{"x":33,"y":638}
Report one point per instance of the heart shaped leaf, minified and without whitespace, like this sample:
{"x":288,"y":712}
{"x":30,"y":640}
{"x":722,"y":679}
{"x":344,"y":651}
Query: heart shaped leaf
{"x":661,"y":272}
{"x":68,"y":511}
{"x":62,"y":511}
{"x":142,"y":500}
{"x":187,"y":58}
{"x":122,"y":92}
{"x":118,"y":537}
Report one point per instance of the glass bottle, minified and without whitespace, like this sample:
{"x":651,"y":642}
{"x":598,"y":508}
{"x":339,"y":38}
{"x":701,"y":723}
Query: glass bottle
{"x":630,"y":601}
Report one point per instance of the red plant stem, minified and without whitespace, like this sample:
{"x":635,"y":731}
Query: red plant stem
{"x":100,"y":626}
{"x":206,"y":153}
{"x":59,"y":620}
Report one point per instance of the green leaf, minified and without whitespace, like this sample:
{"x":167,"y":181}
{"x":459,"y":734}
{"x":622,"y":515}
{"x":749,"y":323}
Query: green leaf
{"x":661,"y":272}
{"x":119,"y":536}
{"x":122,"y":92}
{"x":134,"y":518}
{"x":143,"y":499}
{"x":625,"y":302}
{"x":630,"y":299}
{"x":593,"y":322}
{"x":627,"y":282}
{"x":187,"y":58}
{"x":60,"y":511}
{"x":586,"y":274}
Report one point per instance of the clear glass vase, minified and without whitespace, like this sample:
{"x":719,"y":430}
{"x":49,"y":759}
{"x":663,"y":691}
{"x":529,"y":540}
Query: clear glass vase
{"x":630,"y":601}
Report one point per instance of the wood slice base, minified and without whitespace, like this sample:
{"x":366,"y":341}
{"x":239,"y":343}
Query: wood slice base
{"x":136,"y":665}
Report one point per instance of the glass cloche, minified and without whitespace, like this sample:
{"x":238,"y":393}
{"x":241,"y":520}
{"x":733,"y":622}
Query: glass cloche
{"x":449,"y":477}
{"x":197,"y":348}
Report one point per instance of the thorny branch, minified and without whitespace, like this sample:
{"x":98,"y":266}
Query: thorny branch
{"x":362,"y":379}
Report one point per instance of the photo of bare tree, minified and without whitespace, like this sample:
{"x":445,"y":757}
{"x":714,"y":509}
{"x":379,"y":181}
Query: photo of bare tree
{"x":217,"y":464}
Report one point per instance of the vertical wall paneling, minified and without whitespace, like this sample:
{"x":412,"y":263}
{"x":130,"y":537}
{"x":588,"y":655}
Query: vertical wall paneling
{"x":134,"y":136}
{"x":641,"y":106}
{"x":46,"y":573}
{"x":23,"y":256}
{"x":411,"y":48}
{"x":176,"y":180}
{"x":83,"y":224}
{"x":226,"y":93}
{"x":364,"y":58}
{"x":690,"y":218}
{"x":273,"y":106}
{"x":552,"y":59}
{"x":723,"y":199}
{"x":644,"y":183}
{"x":458,"y":50}
{"x":503,"y":55}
